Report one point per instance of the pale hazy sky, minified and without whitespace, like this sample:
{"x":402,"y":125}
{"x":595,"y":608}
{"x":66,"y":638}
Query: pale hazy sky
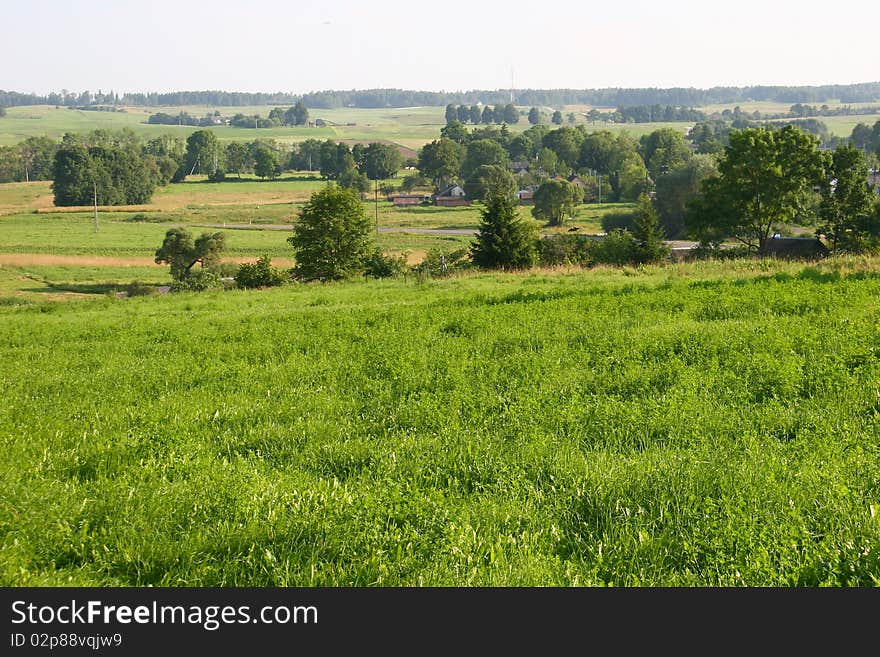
{"x":299,"y":46}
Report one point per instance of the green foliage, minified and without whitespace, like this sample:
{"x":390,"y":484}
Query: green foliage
{"x":663,"y":151}
{"x":332,"y":236}
{"x":534,"y":116}
{"x":678,"y":187}
{"x":380,"y":265}
{"x":440,"y":161}
{"x":564,"y":249}
{"x":197,"y":280}
{"x":439,"y":262}
{"x":556,"y":119}
{"x":260,"y":274}
{"x":482,"y":152}
{"x":848,"y":203}
{"x":181,"y":252}
{"x":117,"y":176}
{"x":765,"y":177}
{"x":619,"y":220}
{"x":505,"y":240}
{"x":204,"y":154}
{"x":381,"y":161}
{"x":555,"y":200}
{"x":619,"y":247}
{"x":490,"y":180}
{"x":266,"y":163}
{"x":648,"y":233}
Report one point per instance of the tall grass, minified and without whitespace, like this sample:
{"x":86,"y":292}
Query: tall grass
{"x":687,"y":426}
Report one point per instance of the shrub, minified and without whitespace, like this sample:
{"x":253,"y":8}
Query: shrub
{"x":619,"y":247}
{"x":138,"y":289}
{"x":197,"y":280}
{"x":619,"y":220}
{"x":259,"y":274}
{"x":379,"y":265}
{"x":440,"y":263}
{"x":563,"y":249}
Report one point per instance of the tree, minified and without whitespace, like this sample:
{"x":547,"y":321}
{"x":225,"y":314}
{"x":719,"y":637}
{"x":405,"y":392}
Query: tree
{"x":676,"y":188}
{"x":648,"y":232}
{"x":510,"y":115}
{"x":566,"y":143}
{"x":488,"y":115}
{"x":534,"y":116}
{"x":480,"y":152}
{"x":331,"y":238}
{"x":555,"y":200}
{"x":464,"y":114}
{"x":505,"y":240}
{"x":597,"y":151}
{"x":259,"y":274}
{"x":847,"y":200}
{"x":557,"y":118}
{"x":300,"y":114}
{"x":238,"y":158}
{"x":440,"y":161}
{"x":350,"y":177}
{"x":382,"y":161}
{"x":456,"y":132}
{"x":182,"y":252}
{"x":475,"y":115}
{"x":664,"y":150}
{"x":490,"y":180}
{"x":2,"y":112}
{"x":204,"y":155}
{"x":266,"y":163}
{"x":451,"y":114}
{"x":117,"y":176}
{"x":764,"y":180}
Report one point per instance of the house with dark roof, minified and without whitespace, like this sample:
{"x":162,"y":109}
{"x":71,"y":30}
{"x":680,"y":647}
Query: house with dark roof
{"x":453,"y":195}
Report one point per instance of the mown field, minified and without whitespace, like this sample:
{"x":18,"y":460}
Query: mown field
{"x":707,"y":424}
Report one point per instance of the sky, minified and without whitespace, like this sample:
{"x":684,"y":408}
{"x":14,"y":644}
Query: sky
{"x":298,"y":46}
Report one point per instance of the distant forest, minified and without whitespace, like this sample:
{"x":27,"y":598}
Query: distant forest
{"x":376,"y":98}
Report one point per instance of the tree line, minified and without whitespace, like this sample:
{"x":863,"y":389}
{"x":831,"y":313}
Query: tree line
{"x":376,"y":98}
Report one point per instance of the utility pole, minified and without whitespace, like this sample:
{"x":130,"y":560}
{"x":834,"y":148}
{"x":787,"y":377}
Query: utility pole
{"x":95,"y":188}
{"x":377,"y":206}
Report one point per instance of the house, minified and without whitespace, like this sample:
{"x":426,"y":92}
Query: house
{"x":320,"y":123}
{"x":406,"y":199}
{"x":795,"y":248}
{"x":525,"y":197}
{"x":452,"y":195}
{"x":576,"y":180}
{"x":519,"y":167}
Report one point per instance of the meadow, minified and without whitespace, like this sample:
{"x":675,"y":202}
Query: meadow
{"x":49,"y":252}
{"x":705,"y":424}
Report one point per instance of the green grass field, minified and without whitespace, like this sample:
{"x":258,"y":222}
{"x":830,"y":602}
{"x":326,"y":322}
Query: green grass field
{"x":692,"y":425}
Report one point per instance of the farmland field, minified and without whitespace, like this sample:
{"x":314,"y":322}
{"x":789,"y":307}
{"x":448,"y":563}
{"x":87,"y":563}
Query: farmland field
{"x":704,"y":424}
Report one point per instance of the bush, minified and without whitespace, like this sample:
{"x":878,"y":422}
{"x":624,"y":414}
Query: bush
{"x":563,"y":249}
{"x":138,"y":289}
{"x":440,"y":263}
{"x":379,"y":265}
{"x":259,"y":274}
{"x":197,"y":280}
{"x":619,"y":220}
{"x":619,"y":247}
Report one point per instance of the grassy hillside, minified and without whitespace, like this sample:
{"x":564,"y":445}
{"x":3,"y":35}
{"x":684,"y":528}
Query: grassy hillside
{"x":700,"y":424}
